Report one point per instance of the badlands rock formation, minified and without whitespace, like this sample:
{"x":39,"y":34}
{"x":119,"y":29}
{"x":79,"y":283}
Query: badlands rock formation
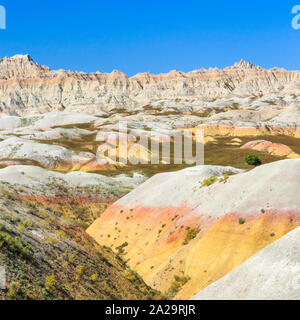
{"x":65,"y":141}
{"x":78,"y":195}
{"x":198,"y":224}
{"x":276,"y":149}
{"x":27,"y":87}
{"x":180,"y":230}
{"x":48,"y":256}
{"x":50,"y":110}
{"x":271,"y":274}
{"x":45,"y":155}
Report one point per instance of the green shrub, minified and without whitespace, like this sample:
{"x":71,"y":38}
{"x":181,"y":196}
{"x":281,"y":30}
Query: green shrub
{"x":94,"y":277}
{"x":177,"y":284}
{"x":79,"y":269}
{"x":15,"y":244}
{"x":209,"y":181}
{"x":241,"y":221}
{"x":190,"y":234}
{"x":10,"y":294}
{"x":50,"y":282}
{"x":253,"y":160}
{"x":14,"y":291}
{"x":121,"y":247}
{"x":224,"y":179}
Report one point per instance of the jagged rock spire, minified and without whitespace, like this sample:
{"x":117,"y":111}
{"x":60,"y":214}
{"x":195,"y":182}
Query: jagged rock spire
{"x":245,"y":65}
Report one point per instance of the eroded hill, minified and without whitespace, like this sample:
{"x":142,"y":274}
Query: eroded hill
{"x":185,"y":230}
{"x":47,"y":255}
{"x":27,"y":87}
{"x":271,"y":274}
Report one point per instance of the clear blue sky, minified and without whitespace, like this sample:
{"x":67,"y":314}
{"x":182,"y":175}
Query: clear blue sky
{"x":157,"y":36}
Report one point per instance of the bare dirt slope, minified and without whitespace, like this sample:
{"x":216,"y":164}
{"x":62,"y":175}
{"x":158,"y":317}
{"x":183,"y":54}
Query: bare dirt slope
{"x":271,"y":274}
{"x":184,"y":230}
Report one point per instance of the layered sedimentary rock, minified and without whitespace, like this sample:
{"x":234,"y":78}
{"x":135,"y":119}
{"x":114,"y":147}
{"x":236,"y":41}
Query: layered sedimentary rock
{"x":48,"y":156}
{"x":27,"y":87}
{"x":181,"y":231}
{"x":66,"y":141}
{"x":46,"y":253}
{"x":198,"y":224}
{"x":80,"y":196}
{"x":276,"y":149}
{"x":271,"y":274}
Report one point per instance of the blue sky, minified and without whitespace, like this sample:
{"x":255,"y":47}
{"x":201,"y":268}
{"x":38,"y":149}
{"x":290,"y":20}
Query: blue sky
{"x":156,"y":36}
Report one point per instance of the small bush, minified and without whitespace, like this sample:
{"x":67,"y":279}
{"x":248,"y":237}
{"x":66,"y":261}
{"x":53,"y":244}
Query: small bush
{"x":121,"y":247}
{"x":50,"y":282}
{"x":10,"y":294}
{"x":253,"y":160}
{"x":224,"y":179}
{"x":79,"y":269}
{"x":94,"y":277}
{"x":14,"y":291}
{"x":241,"y":221}
{"x":190,"y":235}
{"x":209,"y":181}
{"x":177,"y":284}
